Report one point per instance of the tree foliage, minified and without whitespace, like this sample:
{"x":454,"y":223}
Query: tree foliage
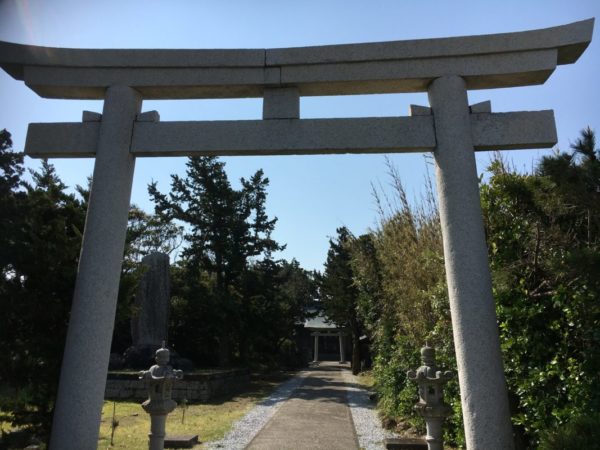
{"x":403,"y":304}
{"x":150,"y":233}
{"x":225,"y":226}
{"x":276,"y":297}
{"x":542,"y":231}
{"x":339,"y":295}
{"x":39,"y":250}
{"x":226,"y":286}
{"x":229,"y":292}
{"x":545,"y":258}
{"x":40,"y":240}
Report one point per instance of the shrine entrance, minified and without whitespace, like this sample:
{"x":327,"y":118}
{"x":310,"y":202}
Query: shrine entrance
{"x":444,"y":68}
{"x":329,"y":348}
{"x":330,"y":340}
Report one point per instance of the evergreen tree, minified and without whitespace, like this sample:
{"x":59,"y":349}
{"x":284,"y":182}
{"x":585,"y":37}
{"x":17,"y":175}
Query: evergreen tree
{"x":277,"y":295}
{"x":338,"y":291}
{"x":41,"y":238}
{"x":545,"y":258}
{"x":12,"y":197}
{"x":225,"y":229}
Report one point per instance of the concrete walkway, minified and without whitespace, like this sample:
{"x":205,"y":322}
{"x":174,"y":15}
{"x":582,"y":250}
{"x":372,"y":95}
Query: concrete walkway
{"x":315,"y":417}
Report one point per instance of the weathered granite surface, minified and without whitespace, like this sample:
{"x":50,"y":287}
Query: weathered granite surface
{"x":487,"y":61}
{"x":491,"y":131}
{"x":474,"y":326}
{"x":87,"y":347}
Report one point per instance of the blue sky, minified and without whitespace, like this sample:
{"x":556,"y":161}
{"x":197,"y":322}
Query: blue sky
{"x":311,"y":195}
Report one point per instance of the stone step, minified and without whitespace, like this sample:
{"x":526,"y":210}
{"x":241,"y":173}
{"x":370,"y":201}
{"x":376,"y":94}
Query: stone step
{"x":185,"y":441}
{"x":405,"y":444}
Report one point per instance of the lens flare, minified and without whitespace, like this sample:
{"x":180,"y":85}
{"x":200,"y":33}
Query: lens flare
{"x":26,"y":20}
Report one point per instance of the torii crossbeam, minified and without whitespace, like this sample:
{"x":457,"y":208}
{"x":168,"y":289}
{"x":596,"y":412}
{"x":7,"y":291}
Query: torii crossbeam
{"x":444,"y":68}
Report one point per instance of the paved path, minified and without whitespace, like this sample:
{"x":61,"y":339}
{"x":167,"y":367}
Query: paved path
{"x":315,"y":417}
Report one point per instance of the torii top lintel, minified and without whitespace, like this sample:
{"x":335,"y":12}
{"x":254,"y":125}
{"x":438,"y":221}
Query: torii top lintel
{"x":486,"y":61}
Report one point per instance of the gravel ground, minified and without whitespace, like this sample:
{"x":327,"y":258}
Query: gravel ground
{"x":244,"y":430}
{"x":367,"y":424}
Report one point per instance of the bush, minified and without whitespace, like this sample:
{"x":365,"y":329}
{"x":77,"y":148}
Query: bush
{"x":543,"y":236}
{"x":580,"y":433}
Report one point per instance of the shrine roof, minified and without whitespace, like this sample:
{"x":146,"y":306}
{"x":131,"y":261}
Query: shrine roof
{"x":320,"y":322}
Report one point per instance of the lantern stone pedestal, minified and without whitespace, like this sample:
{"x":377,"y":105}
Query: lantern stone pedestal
{"x":159,"y":380}
{"x":431,"y":404}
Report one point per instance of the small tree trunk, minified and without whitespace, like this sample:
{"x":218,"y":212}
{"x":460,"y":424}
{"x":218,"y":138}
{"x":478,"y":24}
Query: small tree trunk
{"x":355,"y":348}
{"x":589,"y":228}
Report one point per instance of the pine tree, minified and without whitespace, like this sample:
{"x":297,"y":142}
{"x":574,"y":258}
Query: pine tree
{"x":225,"y":229}
{"x":338,"y":291}
{"x":41,"y":239}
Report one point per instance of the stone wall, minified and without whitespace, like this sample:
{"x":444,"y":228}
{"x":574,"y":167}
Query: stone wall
{"x":199,"y":387}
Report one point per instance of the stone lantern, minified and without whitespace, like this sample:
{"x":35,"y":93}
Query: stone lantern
{"x":159,"y":380}
{"x":431,"y":404}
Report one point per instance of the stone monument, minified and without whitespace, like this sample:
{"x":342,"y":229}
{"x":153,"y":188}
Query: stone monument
{"x":151,"y":318}
{"x":159,"y":380}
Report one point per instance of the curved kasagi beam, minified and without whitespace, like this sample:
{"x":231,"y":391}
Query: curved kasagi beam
{"x":487,"y":61}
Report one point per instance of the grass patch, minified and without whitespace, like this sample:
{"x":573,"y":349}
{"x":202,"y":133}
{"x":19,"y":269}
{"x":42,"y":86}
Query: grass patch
{"x":366,"y":379}
{"x":210,"y":421}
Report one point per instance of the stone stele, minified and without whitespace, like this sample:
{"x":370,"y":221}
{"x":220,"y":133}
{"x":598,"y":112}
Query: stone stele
{"x":151,"y":317}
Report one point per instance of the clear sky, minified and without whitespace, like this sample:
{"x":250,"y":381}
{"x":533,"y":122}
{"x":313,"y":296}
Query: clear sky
{"x":311,"y":195}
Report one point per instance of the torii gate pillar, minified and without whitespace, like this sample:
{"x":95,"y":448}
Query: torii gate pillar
{"x":95,"y":299}
{"x":481,"y":376}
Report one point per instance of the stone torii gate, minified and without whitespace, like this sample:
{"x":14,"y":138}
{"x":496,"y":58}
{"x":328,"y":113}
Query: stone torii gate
{"x":444,"y":68}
